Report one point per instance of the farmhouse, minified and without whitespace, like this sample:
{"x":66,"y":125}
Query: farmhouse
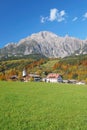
{"x":14,"y":77}
{"x":35,"y":77}
{"x":53,"y":77}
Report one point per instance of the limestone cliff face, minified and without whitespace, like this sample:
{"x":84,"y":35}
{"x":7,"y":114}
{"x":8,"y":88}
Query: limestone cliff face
{"x":48,"y":44}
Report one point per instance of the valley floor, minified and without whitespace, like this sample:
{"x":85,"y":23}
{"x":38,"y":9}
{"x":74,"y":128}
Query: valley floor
{"x":42,"y":106}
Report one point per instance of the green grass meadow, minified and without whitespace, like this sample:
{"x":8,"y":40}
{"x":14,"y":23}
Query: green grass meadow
{"x":42,"y":106}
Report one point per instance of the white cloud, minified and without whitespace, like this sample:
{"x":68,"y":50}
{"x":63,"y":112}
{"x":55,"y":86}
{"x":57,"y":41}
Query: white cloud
{"x":85,"y":16}
{"x":43,"y":19}
{"x":61,"y":16}
{"x":55,"y":15}
{"x":74,"y":19}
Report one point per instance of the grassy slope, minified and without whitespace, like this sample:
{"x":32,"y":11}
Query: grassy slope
{"x":42,"y":106}
{"x":49,"y":65}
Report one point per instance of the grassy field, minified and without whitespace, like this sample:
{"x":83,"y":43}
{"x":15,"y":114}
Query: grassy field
{"x":42,"y":106}
{"x":49,"y":65}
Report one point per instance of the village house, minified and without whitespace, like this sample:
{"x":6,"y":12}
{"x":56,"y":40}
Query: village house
{"x":35,"y":77}
{"x":30,"y":77}
{"x":14,"y":77}
{"x":53,"y":77}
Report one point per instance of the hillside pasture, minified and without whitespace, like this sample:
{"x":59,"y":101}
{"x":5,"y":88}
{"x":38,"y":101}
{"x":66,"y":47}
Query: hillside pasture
{"x":42,"y":106}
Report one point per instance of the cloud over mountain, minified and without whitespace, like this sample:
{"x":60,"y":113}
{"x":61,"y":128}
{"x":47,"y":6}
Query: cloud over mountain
{"x":60,"y":16}
{"x":55,"y":15}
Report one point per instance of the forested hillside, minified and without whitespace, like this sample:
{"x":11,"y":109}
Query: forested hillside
{"x":74,"y":67}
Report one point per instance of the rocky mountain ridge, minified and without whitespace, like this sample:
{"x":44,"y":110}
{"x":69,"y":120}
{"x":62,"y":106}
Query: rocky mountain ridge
{"x":46,"y":43}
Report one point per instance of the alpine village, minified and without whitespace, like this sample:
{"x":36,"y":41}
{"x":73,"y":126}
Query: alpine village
{"x":55,"y":64}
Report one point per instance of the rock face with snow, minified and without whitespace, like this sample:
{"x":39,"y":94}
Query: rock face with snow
{"x":48,"y":44}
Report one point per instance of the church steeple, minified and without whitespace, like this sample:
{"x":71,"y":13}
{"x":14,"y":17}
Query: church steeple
{"x":24,"y":73}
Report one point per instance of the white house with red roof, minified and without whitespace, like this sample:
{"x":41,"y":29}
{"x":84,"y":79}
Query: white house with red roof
{"x":54,"y":77}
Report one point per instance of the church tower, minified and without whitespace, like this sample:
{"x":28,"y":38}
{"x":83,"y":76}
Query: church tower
{"x":24,"y":73}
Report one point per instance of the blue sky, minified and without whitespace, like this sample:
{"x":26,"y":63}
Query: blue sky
{"x":21,"y":18}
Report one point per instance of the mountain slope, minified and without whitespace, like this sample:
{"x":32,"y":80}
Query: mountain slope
{"x":46,"y":43}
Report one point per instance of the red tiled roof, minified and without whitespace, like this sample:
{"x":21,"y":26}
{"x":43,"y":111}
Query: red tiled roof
{"x":53,"y":75}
